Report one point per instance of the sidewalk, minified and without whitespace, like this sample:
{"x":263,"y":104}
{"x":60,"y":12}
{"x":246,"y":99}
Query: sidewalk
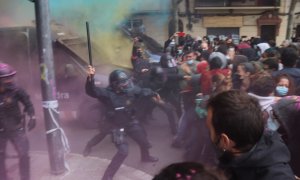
{"x":81,"y":168}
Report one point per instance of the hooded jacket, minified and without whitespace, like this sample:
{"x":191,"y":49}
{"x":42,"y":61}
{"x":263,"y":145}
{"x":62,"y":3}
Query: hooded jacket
{"x":267,"y":160}
{"x":288,"y":111}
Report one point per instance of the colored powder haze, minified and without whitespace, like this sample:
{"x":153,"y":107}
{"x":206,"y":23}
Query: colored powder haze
{"x":103,"y":16}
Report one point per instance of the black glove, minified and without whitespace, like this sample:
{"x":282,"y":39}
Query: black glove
{"x":31,"y":124}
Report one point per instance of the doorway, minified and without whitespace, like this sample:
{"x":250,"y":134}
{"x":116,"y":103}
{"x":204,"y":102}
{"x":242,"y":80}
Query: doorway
{"x":268,"y":32}
{"x":298,"y":31}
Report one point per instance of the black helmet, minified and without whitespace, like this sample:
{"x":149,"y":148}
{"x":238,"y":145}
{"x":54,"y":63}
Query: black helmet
{"x":157,"y":75}
{"x":119,"y":80}
{"x":6,"y":70}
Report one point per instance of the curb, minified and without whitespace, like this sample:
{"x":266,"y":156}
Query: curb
{"x":80,"y":168}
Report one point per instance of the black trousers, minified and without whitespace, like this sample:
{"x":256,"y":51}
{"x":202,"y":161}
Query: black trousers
{"x":135,"y":131}
{"x":21,"y":144}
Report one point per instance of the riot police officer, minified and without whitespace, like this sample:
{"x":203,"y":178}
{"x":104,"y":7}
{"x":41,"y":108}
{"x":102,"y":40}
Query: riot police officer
{"x":120,"y":98}
{"x":12,"y":121}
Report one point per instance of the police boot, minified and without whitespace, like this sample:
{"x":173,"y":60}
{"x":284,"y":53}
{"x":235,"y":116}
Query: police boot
{"x":106,"y":177}
{"x":87,"y":151}
{"x":147,"y":158}
{"x":173,"y":129}
{"x":24,"y":168}
{"x":3,"y":174}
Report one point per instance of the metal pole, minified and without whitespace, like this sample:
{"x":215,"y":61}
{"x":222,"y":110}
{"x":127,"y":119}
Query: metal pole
{"x":173,"y":18}
{"x":291,"y":17}
{"x":54,"y":135}
{"x":27,"y":35}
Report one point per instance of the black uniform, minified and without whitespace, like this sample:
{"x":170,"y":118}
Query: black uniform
{"x":120,"y":120}
{"x":12,"y":128}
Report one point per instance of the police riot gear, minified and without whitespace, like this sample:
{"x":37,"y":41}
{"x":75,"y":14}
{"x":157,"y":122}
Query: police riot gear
{"x":6,"y":77}
{"x":6,"y":70}
{"x":119,"y":80}
{"x":120,"y":115}
{"x":12,"y":122}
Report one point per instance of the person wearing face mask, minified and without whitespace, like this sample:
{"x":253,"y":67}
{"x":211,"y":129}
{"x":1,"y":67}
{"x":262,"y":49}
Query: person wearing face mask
{"x":282,"y":90}
{"x":188,"y":90}
{"x":289,"y":59}
{"x":284,"y":85}
{"x":245,"y":150}
{"x":12,"y":121}
{"x":262,"y":89}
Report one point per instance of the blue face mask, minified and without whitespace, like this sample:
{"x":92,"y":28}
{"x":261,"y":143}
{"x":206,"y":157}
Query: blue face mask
{"x":190,"y":62}
{"x":282,"y":90}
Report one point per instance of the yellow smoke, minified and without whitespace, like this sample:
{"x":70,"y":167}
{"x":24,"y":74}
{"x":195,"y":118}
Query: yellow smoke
{"x":112,"y":48}
{"x":109,"y":45}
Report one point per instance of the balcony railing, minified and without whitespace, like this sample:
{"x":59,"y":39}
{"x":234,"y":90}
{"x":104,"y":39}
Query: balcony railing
{"x":236,"y":4}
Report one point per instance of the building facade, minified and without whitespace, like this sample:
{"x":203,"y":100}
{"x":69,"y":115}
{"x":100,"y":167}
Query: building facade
{"x":268,"y":19}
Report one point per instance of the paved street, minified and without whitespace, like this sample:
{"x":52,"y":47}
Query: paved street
{"x":80,"y":168}
{"x":91,"y":167}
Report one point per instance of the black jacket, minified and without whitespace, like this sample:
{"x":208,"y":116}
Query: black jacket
{"x":288,"y":113}
{"x":120,"y":107}
{"x":267,"y":160}
{"x":10,"y":111}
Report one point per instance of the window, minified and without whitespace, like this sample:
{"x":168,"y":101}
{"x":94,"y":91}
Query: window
{"x":224,"y":32}
{"x":208,"y":3}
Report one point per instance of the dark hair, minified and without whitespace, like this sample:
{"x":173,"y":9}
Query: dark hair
{"x":289,"y":57}
{"x":249,"y":52}
{"x":263,"y":86}
{"x":291,"y":87}
{"x":286,"y":111}
{"x":205,"y":55}
{"x":239,"y":116}
{"x":215,"y":63}
{"x":222,"y":49}
{"x":189,"y":52}
{"x":253,"y":67}
{"x":248,"y":67}
{"x":272,"y":63}
{"x":272,"y":43}
{"x":271,"y":52}
{"x":186,"y":171}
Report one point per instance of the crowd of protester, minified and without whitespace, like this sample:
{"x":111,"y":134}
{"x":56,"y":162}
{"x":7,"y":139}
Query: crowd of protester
{"x":193,"y":70}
